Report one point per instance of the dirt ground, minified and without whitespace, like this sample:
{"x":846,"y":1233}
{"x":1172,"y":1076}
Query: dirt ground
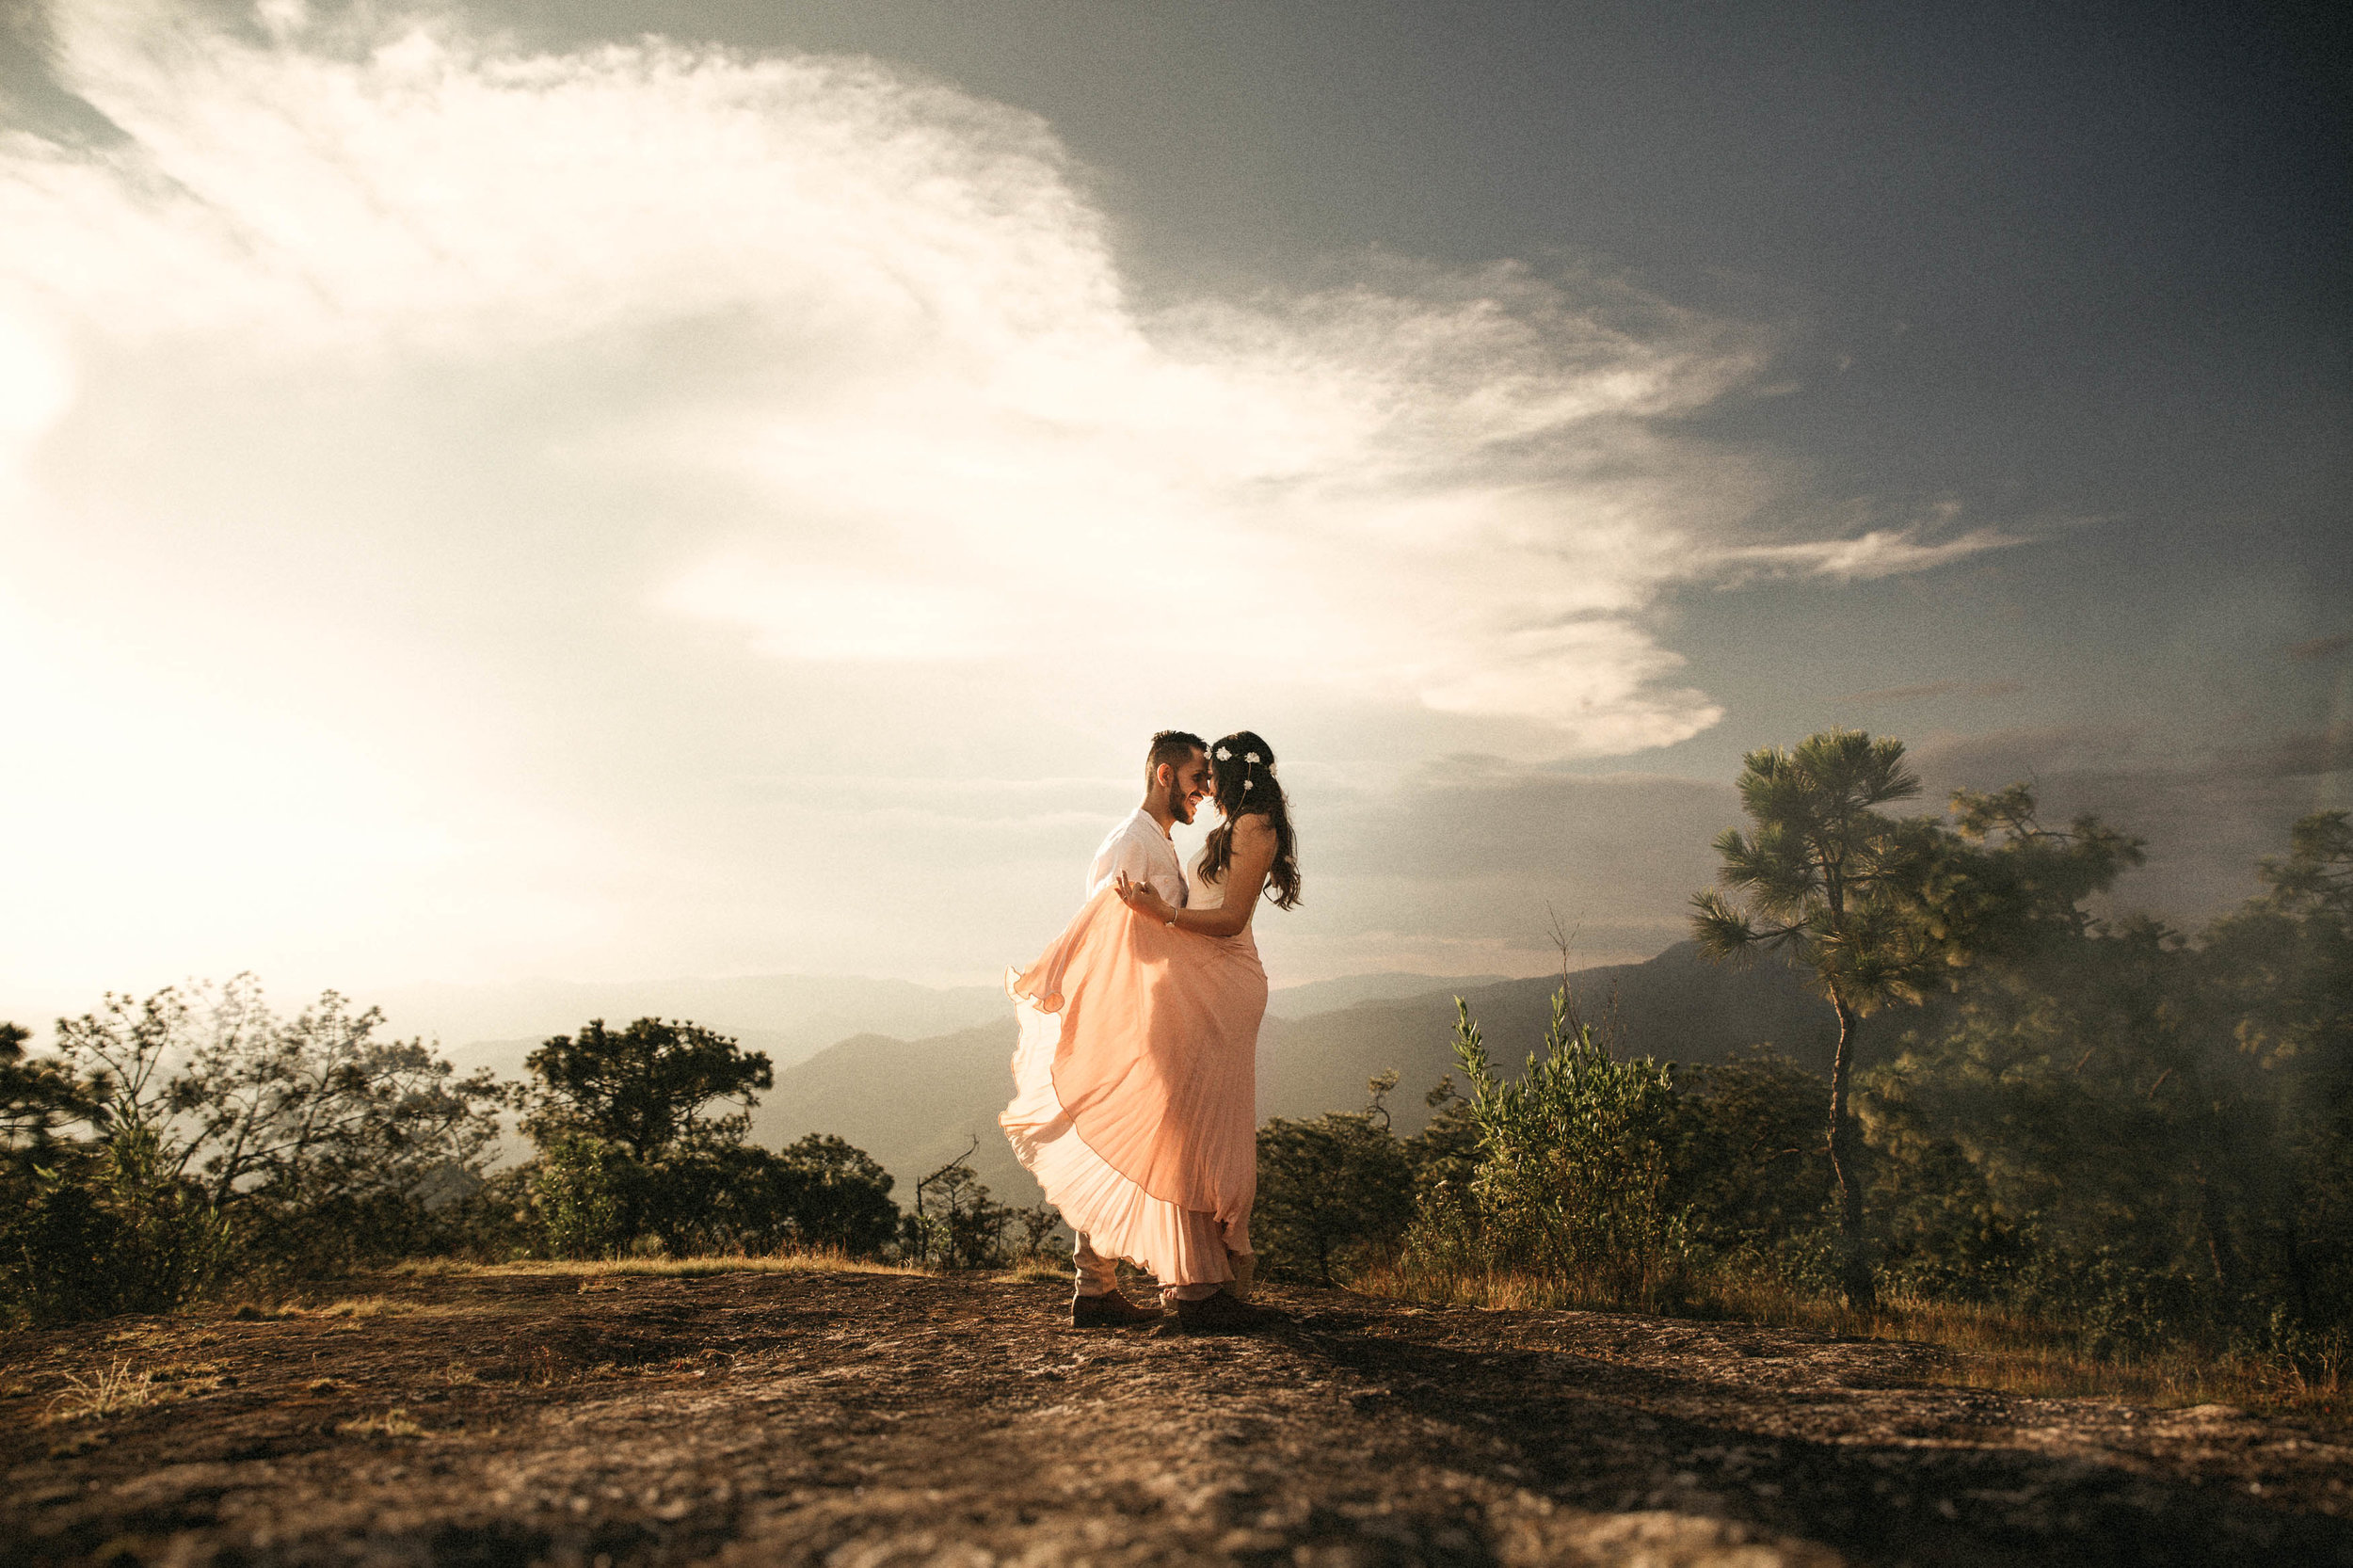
{"x":865,"y":1420}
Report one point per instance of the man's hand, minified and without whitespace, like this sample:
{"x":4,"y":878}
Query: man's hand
{"x":1142,"y":898}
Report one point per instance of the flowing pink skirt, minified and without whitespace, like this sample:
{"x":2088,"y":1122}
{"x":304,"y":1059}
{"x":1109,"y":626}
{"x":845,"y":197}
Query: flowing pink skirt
{"x":1135,"y":1088}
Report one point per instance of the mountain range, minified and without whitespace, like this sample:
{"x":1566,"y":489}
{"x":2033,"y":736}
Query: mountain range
{"x":915,"y":1074}
{"x":916,"y":1105}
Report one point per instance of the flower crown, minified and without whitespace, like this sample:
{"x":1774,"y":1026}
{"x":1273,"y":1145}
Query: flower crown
{"x":1226,"y":753}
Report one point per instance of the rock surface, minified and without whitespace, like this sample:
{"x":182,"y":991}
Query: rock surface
{"x":865,"y":1419}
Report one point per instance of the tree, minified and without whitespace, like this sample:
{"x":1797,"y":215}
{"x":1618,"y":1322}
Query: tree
{"x":844,"y":1197}
{"x":1332,"y":1192}
{"x":630,"y":1150}
{"x":40,"y":1097}
{"x":1833,"y":883}
{"x":2000,"y":888}
{"x":1750,"y":1163}
{"x":957,"y":1224}
{"x":644,"y":1088}
{"x":2279,"y":970}
{"x":314,"y":1136}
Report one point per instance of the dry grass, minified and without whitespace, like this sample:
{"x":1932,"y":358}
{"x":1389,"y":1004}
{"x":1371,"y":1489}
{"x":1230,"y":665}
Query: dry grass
{"x":392,"y":1423}
{"x":348,"y":1311}
{"x":431,"y":1267}
{"x":1986,"y":1348}
{"x":1035,"y":1270}
{"x":108,"y":1391}
{"x":696,"y":1268}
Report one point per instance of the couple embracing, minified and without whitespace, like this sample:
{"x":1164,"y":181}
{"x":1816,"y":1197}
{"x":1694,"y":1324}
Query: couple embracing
{"x":1135,"y":1082}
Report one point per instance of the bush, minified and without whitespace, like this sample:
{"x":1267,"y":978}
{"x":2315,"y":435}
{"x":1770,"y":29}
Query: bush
{"x":1574,"y":1169}
{"x":595,"y":1199}
{"x":588,"y":1197}
{"x":1335,"y":1194}
{"x":956,"y":1224}
{"x":105,"y":1228}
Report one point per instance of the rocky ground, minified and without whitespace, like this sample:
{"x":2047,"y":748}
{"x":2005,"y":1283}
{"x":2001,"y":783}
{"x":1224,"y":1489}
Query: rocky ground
{"x":864,"y":1420}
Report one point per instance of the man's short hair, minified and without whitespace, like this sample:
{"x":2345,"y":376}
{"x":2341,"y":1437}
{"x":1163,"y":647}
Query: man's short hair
{"x":1175,"y":747}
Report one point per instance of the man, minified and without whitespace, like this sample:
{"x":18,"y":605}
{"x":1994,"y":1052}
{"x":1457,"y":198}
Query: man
{"x":1176,"y":779}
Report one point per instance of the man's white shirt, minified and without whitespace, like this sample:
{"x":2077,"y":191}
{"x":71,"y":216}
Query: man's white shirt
{"x":1138,"y":847}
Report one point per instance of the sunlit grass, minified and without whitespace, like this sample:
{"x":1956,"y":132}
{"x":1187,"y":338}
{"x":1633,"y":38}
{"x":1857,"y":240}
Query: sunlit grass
{"x":392,"y":1423}
{"x":696,"y":1268}
{"x":1035,"y":1270}
{"x":348,"y":1311}
{"x":107,"y":1391}
{"x":1984,"y":1347}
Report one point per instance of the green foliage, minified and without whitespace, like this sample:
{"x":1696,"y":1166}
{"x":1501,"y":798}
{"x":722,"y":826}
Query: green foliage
{"x":40,"y":1099}
{"x":1574,"y":1171}
{"x":957,"y":1225}
{"x":1335,"y":1194}
{"x":842,"y":1198}
{"x":97,"y":1230}
{"x":2132,"y":1139}
{"x":1825,"y":876}
{"x":2142,"y":1134}
{"x":645,"y":1088}
{"x":1831,"y":881}
{"x":1880,"y":908}
{"x":589,"y":1196}
{"x":630,"y":1160}
{"x":1751,"y":1165}
{"x":172,"y":1141}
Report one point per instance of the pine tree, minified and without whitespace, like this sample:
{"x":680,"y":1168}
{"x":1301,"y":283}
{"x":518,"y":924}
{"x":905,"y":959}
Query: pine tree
{"x":1833,"y":882}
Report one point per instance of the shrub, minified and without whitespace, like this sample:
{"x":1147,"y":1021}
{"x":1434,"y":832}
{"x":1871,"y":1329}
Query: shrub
{"x":108,"y":1228}
{"x":1335,"y":1194}
{"x":1574,"y":1171}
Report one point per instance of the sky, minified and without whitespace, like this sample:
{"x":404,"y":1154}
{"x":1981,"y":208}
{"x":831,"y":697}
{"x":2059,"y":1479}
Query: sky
{"x":608,"y":490}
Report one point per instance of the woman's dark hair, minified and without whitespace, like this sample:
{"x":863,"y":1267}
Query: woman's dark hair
{"x":1241,"y":770}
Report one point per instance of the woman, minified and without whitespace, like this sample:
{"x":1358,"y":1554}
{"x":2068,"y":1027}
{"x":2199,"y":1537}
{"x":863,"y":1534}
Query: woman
{"x":1136,"y":1078}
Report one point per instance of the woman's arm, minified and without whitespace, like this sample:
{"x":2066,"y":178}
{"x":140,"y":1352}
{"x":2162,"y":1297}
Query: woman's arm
{"x":1246,"y":869}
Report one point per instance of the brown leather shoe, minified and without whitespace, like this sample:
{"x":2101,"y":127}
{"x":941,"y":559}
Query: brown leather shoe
{"x":1224,"y":1312}
{"x":1110,"y":1310}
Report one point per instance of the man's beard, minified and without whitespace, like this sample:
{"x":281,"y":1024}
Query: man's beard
{"x":1179,"y":807}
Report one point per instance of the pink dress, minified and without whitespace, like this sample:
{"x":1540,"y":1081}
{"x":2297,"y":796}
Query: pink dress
{"x":1135,"y":1085}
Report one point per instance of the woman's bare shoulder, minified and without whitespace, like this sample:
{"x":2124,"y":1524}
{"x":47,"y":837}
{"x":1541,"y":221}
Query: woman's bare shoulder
{"x":1253,"y":827}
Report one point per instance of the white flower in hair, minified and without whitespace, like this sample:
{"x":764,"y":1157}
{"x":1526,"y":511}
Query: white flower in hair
{"x":1226,"y":753}
{"x":1251,"y":758}
{"x":1247,"y":786}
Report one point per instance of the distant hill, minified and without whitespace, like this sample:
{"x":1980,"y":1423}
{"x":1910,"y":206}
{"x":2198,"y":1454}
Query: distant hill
{"x":1676,"y":1006}
{"x":914,"y":1104}
{"x":792,"y":1017}
{"x":1322,"y":995}
{"x":789,"y":1017}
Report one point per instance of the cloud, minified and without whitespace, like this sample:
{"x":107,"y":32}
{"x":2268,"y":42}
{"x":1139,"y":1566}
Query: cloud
{"x":585,"y":440}
{"x":1934,"y":688}
{"x":2320,"y":647}
{"x":1880,"y":552}
{"x":2305,"y":754}
{"x":943,"y":426}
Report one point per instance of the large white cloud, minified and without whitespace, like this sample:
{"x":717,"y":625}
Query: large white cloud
{"x":369,"y":367}
{"x":959,"y":431}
